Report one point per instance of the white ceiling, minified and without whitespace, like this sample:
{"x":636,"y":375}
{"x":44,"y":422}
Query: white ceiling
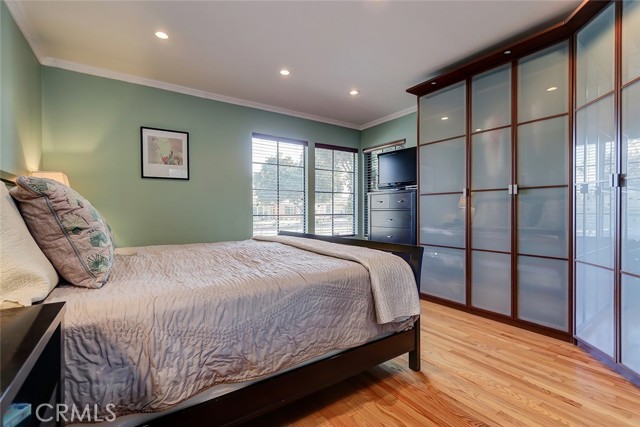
{"x":233,"y":50}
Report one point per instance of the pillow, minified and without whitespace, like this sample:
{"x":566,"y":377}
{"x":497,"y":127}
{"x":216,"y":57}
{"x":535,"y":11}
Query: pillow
{"x":71,"y":232}
{"x":26,"y":275}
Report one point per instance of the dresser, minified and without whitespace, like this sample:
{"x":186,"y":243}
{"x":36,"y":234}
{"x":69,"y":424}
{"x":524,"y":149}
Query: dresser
{"x":392,"y":216}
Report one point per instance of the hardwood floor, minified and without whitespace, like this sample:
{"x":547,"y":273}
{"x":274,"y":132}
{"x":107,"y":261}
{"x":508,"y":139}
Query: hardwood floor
{"x":475,"y":372}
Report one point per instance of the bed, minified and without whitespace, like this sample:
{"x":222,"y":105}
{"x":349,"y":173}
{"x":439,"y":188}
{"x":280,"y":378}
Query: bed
{"x":313,"y":264}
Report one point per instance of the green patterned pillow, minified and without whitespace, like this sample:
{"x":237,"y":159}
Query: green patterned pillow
{"x":70,"y":232}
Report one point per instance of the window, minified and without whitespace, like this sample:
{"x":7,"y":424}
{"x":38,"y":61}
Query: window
{"x":279,"y":196}
{"x":371,"y":173}
{"x":335,"y":190}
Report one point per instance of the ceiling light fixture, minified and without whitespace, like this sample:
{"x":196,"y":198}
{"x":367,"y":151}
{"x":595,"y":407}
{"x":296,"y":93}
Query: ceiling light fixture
{"x":445,"y":118}
{"x":354,"y":92}
{"x":551,"y":89}
{"x":285,"y":72}
{"x":162,"y":35}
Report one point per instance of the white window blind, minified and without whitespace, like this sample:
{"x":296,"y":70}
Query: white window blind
{"x":279,"y":196}
{"x":335,"y":173}
{"x":371,"y":172}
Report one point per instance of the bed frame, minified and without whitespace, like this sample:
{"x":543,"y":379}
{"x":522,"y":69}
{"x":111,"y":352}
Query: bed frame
{"x":242,"y":405}
{"x":264,"y":396}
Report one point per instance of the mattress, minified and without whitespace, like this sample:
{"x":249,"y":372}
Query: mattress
{"x":174,"y":321}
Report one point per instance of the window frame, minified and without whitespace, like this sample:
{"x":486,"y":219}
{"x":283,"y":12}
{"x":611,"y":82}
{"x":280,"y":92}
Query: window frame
{"x":353,"y":193}
{"x":278,"y":215}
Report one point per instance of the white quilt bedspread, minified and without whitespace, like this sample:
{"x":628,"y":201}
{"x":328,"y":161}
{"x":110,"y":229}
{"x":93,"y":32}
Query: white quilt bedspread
{"x":175,"y":320}
{"x":392,"y":283}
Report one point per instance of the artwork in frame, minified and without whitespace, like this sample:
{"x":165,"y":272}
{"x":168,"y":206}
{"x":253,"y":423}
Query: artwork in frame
{"x":165,"y":153}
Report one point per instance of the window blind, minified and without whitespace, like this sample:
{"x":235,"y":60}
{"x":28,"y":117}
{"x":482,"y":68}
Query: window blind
{"x":335,"y":192}
{"x":278,"y":183}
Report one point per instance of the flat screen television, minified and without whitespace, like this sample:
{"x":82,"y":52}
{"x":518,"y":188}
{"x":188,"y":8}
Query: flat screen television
{"x":397,"y":169}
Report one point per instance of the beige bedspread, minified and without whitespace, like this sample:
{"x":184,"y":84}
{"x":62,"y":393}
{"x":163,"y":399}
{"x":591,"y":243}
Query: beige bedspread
{"x":175,"y":320}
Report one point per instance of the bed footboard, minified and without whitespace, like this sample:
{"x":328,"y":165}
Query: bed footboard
{"x":242,"y":405}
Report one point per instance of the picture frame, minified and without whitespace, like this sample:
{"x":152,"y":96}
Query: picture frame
{"x":165,"y":153}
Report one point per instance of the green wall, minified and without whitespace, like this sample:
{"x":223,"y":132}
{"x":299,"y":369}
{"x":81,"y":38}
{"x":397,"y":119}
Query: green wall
{"x":404,"y":127}
{"x":20,"y":100}
{"x":91,"y":131}
{"x":89,"y":127}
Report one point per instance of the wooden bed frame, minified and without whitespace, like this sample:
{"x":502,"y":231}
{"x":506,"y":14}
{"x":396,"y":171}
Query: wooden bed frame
{"x":242,"y":405}
{"x":264,"y":396}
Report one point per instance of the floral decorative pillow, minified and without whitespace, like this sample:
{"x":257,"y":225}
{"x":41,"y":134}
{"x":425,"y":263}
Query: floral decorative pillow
{"x":69,"y":230}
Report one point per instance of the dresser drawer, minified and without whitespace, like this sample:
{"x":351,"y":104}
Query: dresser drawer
{"x":379,"y":201}
{"x":391,"y":219}
{"x":400,"y":201}
{"x":390,"y":235}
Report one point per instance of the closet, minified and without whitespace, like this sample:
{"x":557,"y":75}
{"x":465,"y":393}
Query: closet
{"x":607,"y":184}
{"x":529,"y":183}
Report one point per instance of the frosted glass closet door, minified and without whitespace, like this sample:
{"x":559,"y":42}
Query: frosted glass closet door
{"x":595,"y":199}
{"x":490,"y":202}
{"x":542,"y":178}
{"x":442,"y":157}
{"x":630,"y":254}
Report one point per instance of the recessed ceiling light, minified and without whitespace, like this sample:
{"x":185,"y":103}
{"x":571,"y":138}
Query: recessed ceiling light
{"x":285,"y":72}
{"x":354,"y":92}
{"x":444,"y":118}
{"x":551,"y":89}
{"x":162,"y":35}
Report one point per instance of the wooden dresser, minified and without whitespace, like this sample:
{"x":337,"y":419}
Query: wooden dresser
{"x":392,"y":216}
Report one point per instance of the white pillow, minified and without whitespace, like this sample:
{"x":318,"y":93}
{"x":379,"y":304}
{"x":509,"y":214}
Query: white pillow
{"x":26,"y":275}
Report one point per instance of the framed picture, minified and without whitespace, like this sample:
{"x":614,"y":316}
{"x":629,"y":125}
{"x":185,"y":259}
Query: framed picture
{"x":165,"y":153}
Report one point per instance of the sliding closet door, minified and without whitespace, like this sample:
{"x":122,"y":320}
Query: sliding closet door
{"x":595,"y":197}
{"x":541,"y":188}
{"x":489,"y":199}
{"x":442,"y":181}
{"x":630,"y":218}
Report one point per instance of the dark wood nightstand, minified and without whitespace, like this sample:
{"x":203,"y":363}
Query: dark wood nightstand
{"x":31,"y":350}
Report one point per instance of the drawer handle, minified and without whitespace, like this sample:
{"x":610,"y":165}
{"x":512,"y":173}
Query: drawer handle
{"x":389,"y":219}
{"x":390,"y":236}
{"x":401,"y":201}
{"x":379,"y":201}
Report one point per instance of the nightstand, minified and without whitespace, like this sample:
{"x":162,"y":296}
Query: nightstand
{"x":31,"y":351}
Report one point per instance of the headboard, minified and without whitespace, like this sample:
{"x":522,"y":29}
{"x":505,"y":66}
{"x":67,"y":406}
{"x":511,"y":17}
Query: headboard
{"x":8,"y":178}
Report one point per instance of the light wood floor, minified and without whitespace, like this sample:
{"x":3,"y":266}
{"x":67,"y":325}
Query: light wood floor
{"x":475,"y":372}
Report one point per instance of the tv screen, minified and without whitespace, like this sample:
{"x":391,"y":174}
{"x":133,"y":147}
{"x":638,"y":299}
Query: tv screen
{"x":397,"y":168}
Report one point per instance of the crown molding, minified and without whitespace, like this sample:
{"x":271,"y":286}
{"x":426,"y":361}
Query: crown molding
{"x":129,"y":78}
{"x":388,"y":118}
{"x":20,"y":17}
